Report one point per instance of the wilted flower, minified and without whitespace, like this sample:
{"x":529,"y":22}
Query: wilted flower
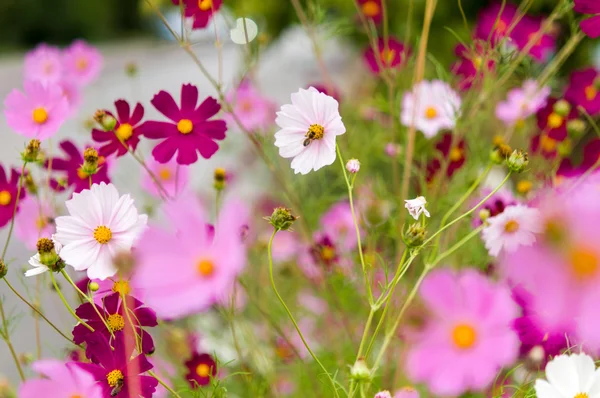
{"x":416,"y":207}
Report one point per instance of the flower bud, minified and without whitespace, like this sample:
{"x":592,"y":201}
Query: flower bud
{"x":106,"y":121}
{"x":30,"y":184}
{"x":131,"y":69}
{"x":353,"y":166}
{"x":281,"y":219}
{"x":47,"y":252}
{"x":562,"y":108}
{"x":393,"y":150}
{"x":565,"y":148}
{"x":524,"y":187}
{"x":498,"y":140}
{"x":32,"y":151}
{"x":360,"y":371}
{"x":517,"y":161}
{"x":3,"y":269}
{"x":500,"y":153}
{"x":26,"y":358}
{"x":220,"y":178}
{"x":484,"y":214}
{"x":90,"y":161}
{"x":93,"y":286}
{"x":576,"y":127}
{"x":414,"y":235}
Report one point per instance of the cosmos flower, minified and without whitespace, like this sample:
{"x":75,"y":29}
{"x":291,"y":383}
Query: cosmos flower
{"x":71,"y":92}
{"x":254,"y":111}
{"x":35,"y":220}
{"x":126,"y":133}
{"x":452,"y":152}
{"x":338,"y":224}
{"x":71,"y":166}
{"x":173,"y":177}
{"x":309,"y":126}
{"x":189,"y":130}
{"x":331,"y":91}
{"x":407,"y":392}
{"x":383,"y":394}
{"x":43,"y":64}
{"x":101,"y":223}
{"x":60,"y":380}
{"x":494,"y":22}
{"x":589,"y":26}
{"x":371,"y":9}
{"x":431,"y":106}
{"x":583,"y":90}
{"x":569,"y":376}
{"x":521,"y":103}
{"x":525,"y":31}
{"x":468,"y":337}
{"x":416,"y":207}
{"x":9,"y":187}
{"x":201,"y":367}
{"x":515,"y":226}
{"x":201,"y":11}
{"x":38,"y":112}
{"x":552,"y":123}
{"x":393,"y":57}
{"x":82,"y":62}
{"x":285,"y":246}
{"x":38,"y":267}
{"x":470,"y":67}
{"x":496,"y":204}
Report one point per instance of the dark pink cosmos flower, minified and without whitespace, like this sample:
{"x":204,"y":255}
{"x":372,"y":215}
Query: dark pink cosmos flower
{"x":71,"y":166}
{"x":589,"y":26}
{"x":454,"y":151}
{"x":544,"y":145}
{"x":126,"y":132}
{"x":393,"y":57}
{"x":201,"y":10}
{"x":526,"y":31}
{"x":201,"y":367}
{"x":494,"y":22}
{"x":189,"y":130}
{"x":470,"y":68}
{"x":119,"y":375}
{"x":114,"y":313}
{"x":371,"y":9}
{"x":583,"y":90}
{"x":552,"y":123}
{"x":8,"y":195}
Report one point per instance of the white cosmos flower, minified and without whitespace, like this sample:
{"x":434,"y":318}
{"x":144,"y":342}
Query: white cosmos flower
{"x":433,"y":105}
{"x":570,"y":376}
{"x":238,"y":34}
{"x":309,"y":126}
{"x":515,"y":226}
{"x":416,"y":207}
{"x":100,"y":225}
{"x":34,"y":261}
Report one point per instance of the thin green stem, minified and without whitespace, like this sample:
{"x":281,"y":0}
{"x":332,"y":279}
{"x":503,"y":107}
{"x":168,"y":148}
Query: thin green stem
{"x":564,"y":53}
{"x":457,"y":245}
{"x":12,"y":221}
{"x":289,"y":313}
{"x":66,"y":304}
{"x":165,"y":385}
{"x":6,"y":337}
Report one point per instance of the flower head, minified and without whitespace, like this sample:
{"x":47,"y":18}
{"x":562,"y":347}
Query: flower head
{"x":525,"y":34}
{"x":552,"y":119}
{"x":431,"y":106}
{"x":495,"y":205}
{"x":583,"y":90}
{"x":515,"y":226}
{"x":338,"y":224}
{"x":254,"y":111}
{"x":309,"y":126}
{"x":82,"y":62}
{"x":496,"y":22}
{"x":452,"y":151}
{"x":416,"y":207}
{"x":60,"y":380}
{"x":353,"y":166}
{"x":371,"y":9}
{"x":173,"y":177}
{"x":521,"y":103}
{"x":470,"y":67}
{"x":201,"y":368}
{"x":126,"y":133}
{"x":38,"y":112}
{"x":36,"y":219}
{"x":43,"y":64}
{"x":569,"y":376}
{"x":9,"y":190}
{"x":101,"y":223}
{"x":392,"y":56}
{"x":589,"y":26}
{"x":201,"y":11}
{"x":190,"y":131}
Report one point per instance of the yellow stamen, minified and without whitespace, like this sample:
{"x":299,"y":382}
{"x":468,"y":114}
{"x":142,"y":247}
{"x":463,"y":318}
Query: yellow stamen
{"x":114,"y":377}
{"x":5,"y":198}
{"x":464,"y":336}
{"x":327,"y":253}
{"x":591,"y":93}
{"x":164,"y":174}
{"x":371,"y":8}
{"x":431,"y":112}
{"x":206,"y":267}
{"x":387,"y":56}
{"x":555,"y":120}
{"x":203,"y":370}
{"x":456,"y":154}
{"x":115,"y":322}
{"x":548,"y":144}
{"x":185,"y":126}
{"x":121,"y":287}
{"x":524,"y":186}
{"x":81,"y":64}
{"x":40,"y":115}
{"x":511,"y":226}
{"x":315,"y":132}
{"x":102,"y":234}
{"x":205,"y":5}
{"x":81,"y":174}
{"x":477,"y":61}
{"x":584,"y":262}
{"x":125,"y":131}
{"x":581,"y":395}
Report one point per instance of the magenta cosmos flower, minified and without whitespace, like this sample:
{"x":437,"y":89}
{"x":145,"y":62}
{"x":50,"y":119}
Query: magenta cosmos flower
{"x":34,"y":221}
{"x":202,"y":266}
{"x":126,"y":133}
{"x":117,"y":374}
{"x":43,"y":64}
{"x":201,"y":367}
{"x":394,"y":56}
{"x":71,"y":167}
{"x":524,"y":35}
{"x":201,"y":11}
{"x":469,"y":336}
{"x":471,"y":66}
{"x":172,"y":176}
{"x":114,"y":311}
{"x":189,"y":130}
{"x":255,"y":112}
{"x":454,"y":153}
{"x":38,"y":112}
{"x":9,"y":187}
{"x":589,"y":26}
{"x":371,"y":9}
{"x":552,"y":123}
{"x":82,"y":62}
{"x":494,"y":22}
{"x":60,"y":380}
{"x":583,"y":90}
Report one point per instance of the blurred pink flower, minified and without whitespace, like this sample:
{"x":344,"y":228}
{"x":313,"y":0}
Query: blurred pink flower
{"x":338,"y":224}
{"x":172,"y":176}
{"x":72,"y":94}
{"x":43,"y":64}
{"x":34,"y":221}
{"x":254,"y":111}
{"x":311,"y":302}
{"x":583,"y":90}
{"x":526,"y":30}
{"x":495,"y":204}
{"x":469,"y":336}
{"x":82,"y":62}
{"x":470,"y":68}
{"x":407,"y":392}
{"x":522,"y":102}
{"x":589,"y":26}
{"x":495,"y":21}
{"x":9,"y":186}
{"x":285,"y":246}
{"x":202,"y":11}
{"x":394,"y":57}
{"x":516,"y":226}
{"x":60,"y":380}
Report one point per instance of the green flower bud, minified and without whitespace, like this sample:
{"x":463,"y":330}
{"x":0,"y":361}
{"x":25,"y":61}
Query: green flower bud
{"x":93,"y":286}
{"x":562,"y":108}
{"x":3,"y":269}
{"x":47,"y":252}
{"x":576,"y":127}
{"x":281,"y":219}
{"x":32,"y":151}
{"x":360,"y":371}
{"x":517,"y":161}
{"x":414,"y":235}
{"x":90,"y":161}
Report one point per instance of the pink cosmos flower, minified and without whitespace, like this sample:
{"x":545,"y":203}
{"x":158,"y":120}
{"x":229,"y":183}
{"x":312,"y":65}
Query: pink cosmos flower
{"x":34,"y":221}
{"x":583,"y":90}
{"x":43,"y":64}
{"x":338,"y":224}
{"x":60,"y":380}
{"x":469,"y":336}
{"x":526,"y":30}
{"x":202,"y":11}
{"x":38,"y":112}
{"x":255,"y":112}
{"x":82,"y":62}
{"x":172,"y":176}
{"x":589,"y":26}
{"x":71,"y":93}
{"x":285,"y":246}
{"x":71,"y":166}
{"x":126,"y":133}
{"x":8,"y":195}
{"x":189,"y":130}
{"x":495,"y":204}
{"x":407,"y":392}
{"x":495,"y":21}
{"x":521,"y":103}
{"x":202,"y":266}
{"x":516,"y":226}
{"x":394,"y":56}
{"x":470,"y":68}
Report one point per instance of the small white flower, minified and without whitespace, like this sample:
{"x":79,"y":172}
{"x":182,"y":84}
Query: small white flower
{"x":416,"y":207}
{"x":240,"y":32}
{"x":515,"y":226}
{"x":34,"y":261}
{"x":431,"y":106}
{"x":101,"y":224}
{"x":353,"y":166}
{"x":570,"y":376}
{"x":309,"y":126}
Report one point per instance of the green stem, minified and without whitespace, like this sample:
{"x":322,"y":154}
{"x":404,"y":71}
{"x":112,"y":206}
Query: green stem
{"x":162,"y":383}
{"x":289,"y":313}
{"x":565,"y":52}
{"x":12,"y":221}
{"x":62,"y":297}
{"x":11,"y":348}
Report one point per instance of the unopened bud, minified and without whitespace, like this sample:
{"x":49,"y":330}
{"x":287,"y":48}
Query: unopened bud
{"x":93,"y":286}
{"x":220,"y":178}
{"x":30,"y":184}
{"x":353,"y":166}
{"x":360,"y":371}
{"x":537,"y":355}
{"x":517,"y":161}
{"x":106,"y":121}
{"x":32,"y":151}
{"x":414,"y":235}
{"x":26,"y":358}
{"x":484,"y":214}
{"x":47,"y":252}
{"x":524,"y":187}
{"x":576,"y":127}
{"x":565,"y":148}
{"x":90,"y":161}
{"x":562,"y":108}
{"x":500,"y":153}
{"x":281,"y":219}
{"x":3,"y":269}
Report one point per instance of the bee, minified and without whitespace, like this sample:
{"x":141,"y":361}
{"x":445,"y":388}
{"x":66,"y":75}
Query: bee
{"x":310,"y":136}
{"x":117,"y":388}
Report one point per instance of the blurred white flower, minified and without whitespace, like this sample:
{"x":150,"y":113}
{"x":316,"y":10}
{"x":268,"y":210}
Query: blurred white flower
{"x":515,"y":226}
{"x":242,"y":30}
{"x":570,"y":376}
{"x":416,"y":207}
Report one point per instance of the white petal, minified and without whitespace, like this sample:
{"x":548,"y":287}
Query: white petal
{"x":561,"y":373}
{"x":585,"y":368}
{"x":80,"y":254}
{"x":543,"y":389}
{"x":85,"y":206}
{"x":103,"y":266}
{"x":70,"y":229}
{"x":36,"y":271}
{"x":240,"y":32}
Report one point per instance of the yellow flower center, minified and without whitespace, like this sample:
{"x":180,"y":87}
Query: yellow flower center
{"x":102,"y":234}
{"x":76,"y":396}
{"x":185,"y":126}
{"x":548,"y":144}
{"x":164,"y":174}
{"x":477,"y":61}
{"x":206,"y":267}
{"x":114,"y":377}
{"x":40,"y":115}
{"x":121,"y":287}
{"x":555,"y":120}
{"x":115,"y":322}
{"x":387,"y":56}
{"x":584,"y":262}
{"x":41,"y":223}
{"x":591,"y":93}
{"x":511,"y":227}
{"x":456,"y":154}
{"x":5,"y":198}
{"x":315,"y":132}
{"x":370,"y":8}
{"x":524,"y":186}
{"x":464,"y":336}
{"x":581,"y":395}
{"x":246,"y":105}
{"x":327,"y":253}
{"x":205,"y":5}
{"x":125,"y":131}
{"x":81,"y":174}
{"x":81,"y":64}
{"x":431,"y":112}
{"x":203,"y":370}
